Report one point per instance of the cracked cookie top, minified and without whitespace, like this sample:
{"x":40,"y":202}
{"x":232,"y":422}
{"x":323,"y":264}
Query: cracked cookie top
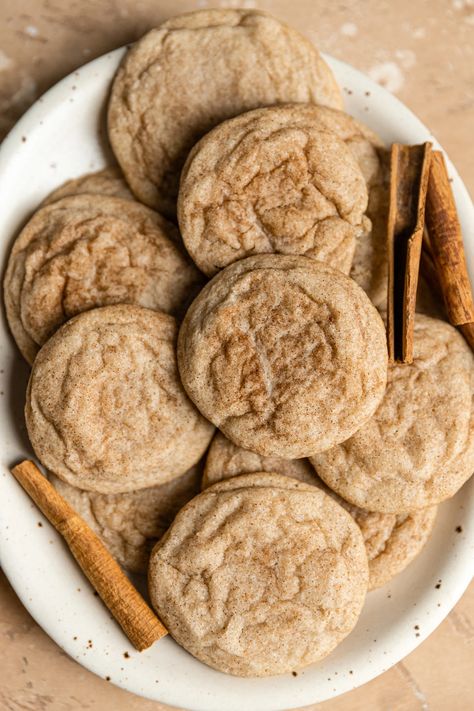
{"x":260,"y":580}
{"x":105,"y":409}
{"x":225,"y":460}
{"x":392,"y":541}
{"x":130,"y":524}
{"x":85,"y":251}
{"x":284,"y":354}
{"x":274,"y":180}
{"x":418,"y":448}
{"x":194,"y":71}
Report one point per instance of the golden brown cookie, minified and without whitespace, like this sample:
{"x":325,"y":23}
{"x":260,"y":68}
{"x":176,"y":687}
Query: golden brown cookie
{"x":130,"y":524}
{"x":225,"y":460}
{"x":369,"y":265}
{"x":195,"y":71}
{"x":274,"y":180}
{"x":418,"y":448}
{"x":92,"y":250}
{"x":284,"y":354}
{"x":392,"y":541}
{"x":105,"y":408}
{"x":260,"y":580}
{"x":108,"y":182}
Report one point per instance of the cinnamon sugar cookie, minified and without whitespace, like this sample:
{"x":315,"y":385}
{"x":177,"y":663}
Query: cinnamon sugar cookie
{"x":274,"y":180}
{"x":369,"y":265}
{"x":285,"y":355}
{"x":259,"y":580}
{"x":418,"y":448}
{"x":392,"y":541}
{"x":105,"y":408}
{"x":195,"y":71}
{"x":225,"y":460}
{"x":108,"y":182}
{"x":92,"y":250}
{"x":130,"y":524}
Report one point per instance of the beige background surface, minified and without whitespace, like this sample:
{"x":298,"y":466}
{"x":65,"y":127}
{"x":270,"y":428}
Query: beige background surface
{"x":422,"y":50}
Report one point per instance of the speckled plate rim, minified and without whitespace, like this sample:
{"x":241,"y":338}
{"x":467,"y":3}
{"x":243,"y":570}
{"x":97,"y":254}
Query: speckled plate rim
{"x":60,"y":137}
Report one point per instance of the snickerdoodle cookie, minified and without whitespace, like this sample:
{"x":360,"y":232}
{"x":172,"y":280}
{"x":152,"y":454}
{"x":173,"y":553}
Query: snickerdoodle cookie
{"x":109,"y":182}
{"x":369,"y":265}
{"x":195,"y":71}
{"x":105,"y":408}
{"x":260,"y":580}
{"x":418,"y":448}
{"x":284,"y":354}
{"x":225,"y":460}
{"x":130,"y":524}
{"x":92,"y":250}
{"x":274,"y":180}
{"x":392,"y":541}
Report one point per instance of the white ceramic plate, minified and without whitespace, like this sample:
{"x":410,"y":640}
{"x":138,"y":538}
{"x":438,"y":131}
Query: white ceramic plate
{"x":60,"y":137}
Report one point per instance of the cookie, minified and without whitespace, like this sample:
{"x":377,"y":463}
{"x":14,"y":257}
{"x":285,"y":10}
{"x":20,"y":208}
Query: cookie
{"x":91,"y":250}
{"x":392,"y":541}
{"x":108,"y":182}
{"x":194,"y":71}
{"x":273,"y":180}
{"x":369,"y":265}
{"x":418,"y":448}
{"x":259,"y":581}
{"x":225,"y":460}
{"x":284,"y":354}
{"x":130,"y":524}
{"x":105,"y":409}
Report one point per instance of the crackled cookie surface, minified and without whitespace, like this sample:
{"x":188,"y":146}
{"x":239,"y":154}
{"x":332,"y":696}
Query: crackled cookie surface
{"x":418,"y":448}
{"x":260,"y":580}
{"x":392,"y":541}
{"x":105,"y":408}
{"x":91,"y":250}
{"x":108,"y":182}
{"x":225,"y":460}
{"x":195,"y":71}
{"x":369,"y":265}
{"x":274,"y":180}
{"x":130,"y":524}
{"x":284,"y":354}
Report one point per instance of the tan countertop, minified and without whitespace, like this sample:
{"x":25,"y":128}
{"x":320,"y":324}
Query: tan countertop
{"x":422,"y":50}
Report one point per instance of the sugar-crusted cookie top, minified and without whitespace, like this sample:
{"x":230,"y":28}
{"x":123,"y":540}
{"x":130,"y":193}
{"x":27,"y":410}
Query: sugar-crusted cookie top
{"x":392,"y":540}
{"x":274,"y":180}
{"x":105,"y":408}
{"x":285,"y":355}
{"x":195,"y":71}
{"x":259,"y":581}
{"x":92,"y":250}
{"x":418,"y":448}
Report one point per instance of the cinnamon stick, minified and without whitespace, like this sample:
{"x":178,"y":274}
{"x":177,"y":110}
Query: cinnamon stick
{"x":137,"y":620}
{"x":409,"y":172}
{"x":447,"y":249}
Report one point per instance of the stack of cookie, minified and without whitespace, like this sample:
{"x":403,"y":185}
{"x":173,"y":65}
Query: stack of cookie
{"x":322,"y":481}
